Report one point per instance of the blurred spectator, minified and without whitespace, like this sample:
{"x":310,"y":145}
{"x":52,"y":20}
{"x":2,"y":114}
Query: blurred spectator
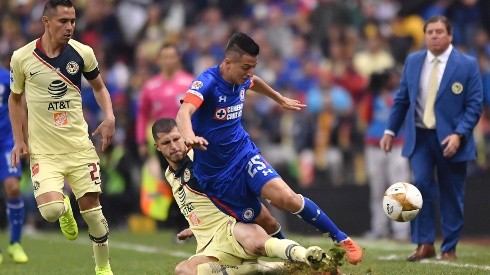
{"x":374,"y":58}
{"x":11,"y":37}
{"x":334,"y":107}
{"x":277,"y":31}
{"x":327,"y":14}
{"x":299,"y":69}
{"x":406,"y":36}
{"x":160,"y":97}
{"x":382,"y":169}
{"x":132,"y":16}
{"x":465,"y":18}
{"x":161,"y":94}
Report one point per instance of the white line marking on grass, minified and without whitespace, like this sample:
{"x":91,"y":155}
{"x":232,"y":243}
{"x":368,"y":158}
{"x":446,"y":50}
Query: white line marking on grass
{"x":122,"y":245}
{"x":454,"y":264}
{"x":392,"y":257}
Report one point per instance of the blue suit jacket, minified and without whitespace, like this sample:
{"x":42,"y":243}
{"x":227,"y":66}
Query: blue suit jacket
{"x":455,"y":112}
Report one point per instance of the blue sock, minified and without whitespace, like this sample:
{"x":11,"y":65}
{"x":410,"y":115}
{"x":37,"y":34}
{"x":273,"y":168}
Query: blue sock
{"x":315,"y":216}
{"x":15,"y":214}
{"x":278,"y":234}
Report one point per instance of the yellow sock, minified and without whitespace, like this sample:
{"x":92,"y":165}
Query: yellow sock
{"x":285,"y":249}
{"x":99,"y":234}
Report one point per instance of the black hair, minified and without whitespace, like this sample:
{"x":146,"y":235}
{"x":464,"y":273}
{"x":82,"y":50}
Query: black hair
{"x":52,"y":4}
{"x":379,"y":81}
{"x":163,"y":125}
{"x":440,"y":18}
{"x":242,"y":44}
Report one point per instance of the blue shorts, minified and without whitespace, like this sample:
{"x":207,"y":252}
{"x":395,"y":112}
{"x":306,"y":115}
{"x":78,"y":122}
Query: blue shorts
{"x":239,"y":196}
{"x":6,"y":171}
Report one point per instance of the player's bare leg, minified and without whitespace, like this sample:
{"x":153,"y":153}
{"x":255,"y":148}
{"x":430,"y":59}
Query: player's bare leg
{"x":269,"y":223}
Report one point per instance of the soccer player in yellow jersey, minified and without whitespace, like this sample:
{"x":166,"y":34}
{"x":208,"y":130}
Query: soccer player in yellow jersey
{"x":223,"y":244}
{"x":49,"y":72}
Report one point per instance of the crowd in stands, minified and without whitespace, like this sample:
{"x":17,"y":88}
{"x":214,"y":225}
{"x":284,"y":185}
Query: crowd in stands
{"x":326,"y":53}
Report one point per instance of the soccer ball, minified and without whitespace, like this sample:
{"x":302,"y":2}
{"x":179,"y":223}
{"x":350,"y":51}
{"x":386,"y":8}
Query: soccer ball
{"x":402,"y":202}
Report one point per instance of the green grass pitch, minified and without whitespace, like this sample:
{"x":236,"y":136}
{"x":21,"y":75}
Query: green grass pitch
{"x":156,"y":253}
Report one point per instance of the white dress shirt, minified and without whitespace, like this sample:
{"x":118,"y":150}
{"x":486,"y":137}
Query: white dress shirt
{"x":424,"y":81}
{"x":424,"y":84}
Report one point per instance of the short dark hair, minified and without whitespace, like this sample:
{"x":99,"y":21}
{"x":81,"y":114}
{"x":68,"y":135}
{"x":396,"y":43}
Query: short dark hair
{"x":242,"y":44}
{"x":163,"y":125}
{"x":440,"y":18}
{"x":52,"y":4}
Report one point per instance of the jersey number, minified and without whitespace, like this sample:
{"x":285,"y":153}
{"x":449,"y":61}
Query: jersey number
{"x":255,"y":165}
{"x":95,"y":172}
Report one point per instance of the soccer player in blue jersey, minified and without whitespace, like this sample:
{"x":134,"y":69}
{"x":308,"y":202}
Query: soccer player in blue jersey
{"x":228,"y":165}
{"x":10,"y":175}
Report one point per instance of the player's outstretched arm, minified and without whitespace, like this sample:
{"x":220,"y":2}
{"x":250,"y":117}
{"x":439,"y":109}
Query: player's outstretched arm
{"x":184,"y":124}
{"x":107,"y":128}
{"x":17,"y":117}
{"x":261,"y":87}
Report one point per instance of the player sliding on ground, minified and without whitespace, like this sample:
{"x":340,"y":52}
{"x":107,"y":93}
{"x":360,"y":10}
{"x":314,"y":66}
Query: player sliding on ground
{"x":223,"y":244}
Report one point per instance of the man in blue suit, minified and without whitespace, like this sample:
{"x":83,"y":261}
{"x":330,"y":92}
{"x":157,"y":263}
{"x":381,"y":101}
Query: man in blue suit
{"x":440,"y":100}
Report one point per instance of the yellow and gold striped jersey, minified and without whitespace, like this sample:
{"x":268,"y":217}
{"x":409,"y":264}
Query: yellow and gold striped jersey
{"x":203,"y":216}
{"x":52,"y":86}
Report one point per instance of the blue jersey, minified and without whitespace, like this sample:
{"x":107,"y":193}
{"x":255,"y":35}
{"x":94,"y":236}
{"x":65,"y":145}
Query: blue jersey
{"x":5,"y":128}
{"x":6,"y":138}
{"x":380,"y":113}
{"x":231,"y":171}
{"x":218,"y":120}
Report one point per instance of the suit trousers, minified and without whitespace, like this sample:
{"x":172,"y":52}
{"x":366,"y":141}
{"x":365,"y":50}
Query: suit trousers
{"x":439,"y":180}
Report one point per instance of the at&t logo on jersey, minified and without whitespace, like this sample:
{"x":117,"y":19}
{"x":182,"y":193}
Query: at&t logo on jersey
{"x":229,"y":113}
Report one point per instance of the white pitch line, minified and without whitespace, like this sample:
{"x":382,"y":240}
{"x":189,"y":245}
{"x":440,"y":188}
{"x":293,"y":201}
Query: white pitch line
{"x":392,"y":257}
{"x":454,"y":264}
{"x":121,"y":245}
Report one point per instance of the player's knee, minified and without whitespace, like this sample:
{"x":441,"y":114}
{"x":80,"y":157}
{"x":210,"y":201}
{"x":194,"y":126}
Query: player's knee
{"x":11,"y":185}
{"x":271,"y":225}
{"x":289,"y":201}
{"x":267,"y":222}
{"x":98,"y":228}
{"x":52,"y":211}
{"x":184,"y":268}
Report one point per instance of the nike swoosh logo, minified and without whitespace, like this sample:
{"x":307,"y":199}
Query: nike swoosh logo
{"x":34,"y":73}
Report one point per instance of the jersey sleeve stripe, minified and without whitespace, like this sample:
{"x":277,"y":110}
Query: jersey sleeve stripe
{"x":193,"y":99}
{"x":57,"y":72}
{"x":194,"y":191}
